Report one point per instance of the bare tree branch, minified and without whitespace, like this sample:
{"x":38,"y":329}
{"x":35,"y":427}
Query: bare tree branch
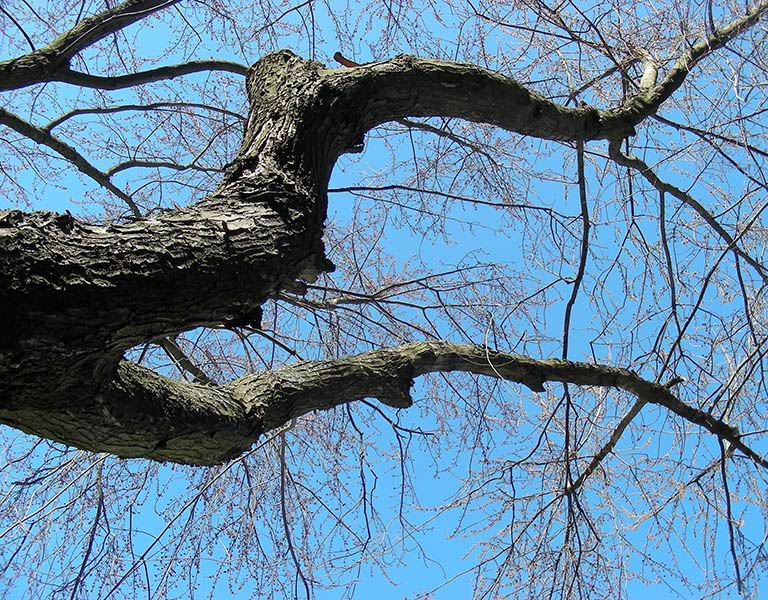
{"x":614,"y":151}
{"x":98,"y":26}
{"x":197,"y":424}
{"x":119,"y":82}
{"x":139,"y":108}
{"x":650,"y":97}
{"x":43,"y":137}
{"x":608,"y":447}
{"x":45,"y":63}
{"x":183,"y":362}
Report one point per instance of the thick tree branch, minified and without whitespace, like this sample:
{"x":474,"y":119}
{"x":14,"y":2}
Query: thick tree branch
{"x":142,"y":414}
{"x":387,"y":374}
{"x":408,"y":86}
{"x":43,"y":64}
{"x":98,"y":26}
{"x":527,"y":112}
{"x":75,"y":296}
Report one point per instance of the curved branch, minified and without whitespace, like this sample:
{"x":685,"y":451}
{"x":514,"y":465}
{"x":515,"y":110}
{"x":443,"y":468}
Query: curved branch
{"x":160,"y":74}
{"x":43,"y":64}
{"x":97,"y":27}
{"x":143,"y":414}
{"x":215,"y":262}
{"x":584,"y":247}
{"x":160,"y":164}
{"x":650,"y":97}
{"x":52,"y":63}
{"x":408,"y":86}
{"x":10,"y":17}
{"x":138,"y":108}
{"x":388,"y":374}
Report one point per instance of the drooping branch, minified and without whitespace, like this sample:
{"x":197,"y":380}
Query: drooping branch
{"x":388,"y":375}
{"x":633,"y":162}
{"x":142,"y":414}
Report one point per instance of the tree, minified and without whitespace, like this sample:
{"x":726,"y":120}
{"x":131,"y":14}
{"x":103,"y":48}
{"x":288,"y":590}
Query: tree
{"x":218,"y":259}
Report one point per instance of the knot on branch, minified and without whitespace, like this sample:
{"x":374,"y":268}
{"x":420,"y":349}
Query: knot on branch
{"x":397,"y":391}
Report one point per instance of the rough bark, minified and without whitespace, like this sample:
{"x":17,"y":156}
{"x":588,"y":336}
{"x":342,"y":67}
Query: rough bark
{"x":76,"y":296}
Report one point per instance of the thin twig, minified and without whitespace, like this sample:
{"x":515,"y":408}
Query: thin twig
{"x":729,"y":516}
{"x":45,"y":138}
{"x":633,"y":162}
{"x":284,"y":513}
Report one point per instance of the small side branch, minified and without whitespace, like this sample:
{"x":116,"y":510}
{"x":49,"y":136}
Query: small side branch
{"x":608,"y":447}
{"x":584,"y":251}
{"x":160,"y":74}
{"x":633,"y":162}
{"x":45,"y":138}
{"x":650,"y":71}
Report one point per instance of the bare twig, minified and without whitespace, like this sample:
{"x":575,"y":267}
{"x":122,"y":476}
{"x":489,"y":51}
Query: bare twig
{"x":584,"y":252}
{"x":43,"y":137}
{"x":284,"y":514}
{"x":633,"y":162}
